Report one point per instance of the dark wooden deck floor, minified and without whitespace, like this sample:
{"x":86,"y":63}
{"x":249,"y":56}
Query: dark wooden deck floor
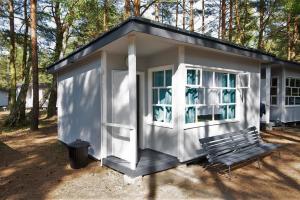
{"x":150,"y":162}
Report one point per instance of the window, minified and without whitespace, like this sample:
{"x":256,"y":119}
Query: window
{"x":273,"y":92}
{"x":209,"y":96}
{"x":162,"y":95}
{"x":292,"y":91}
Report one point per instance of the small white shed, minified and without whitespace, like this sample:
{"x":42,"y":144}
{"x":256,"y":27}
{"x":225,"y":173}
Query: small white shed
{"x":144,"y":88}
{"x":280,"y":91}
{"x":3,"y":98}
{"x":43,"y":87}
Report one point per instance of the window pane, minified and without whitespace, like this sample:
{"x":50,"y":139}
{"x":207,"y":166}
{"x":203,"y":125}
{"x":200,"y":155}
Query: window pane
{"x":165,"y":96}
{"x":220,"y":112}
{"x":228,"y":96}
{"x":273,"y":91}
{"x":274,"y":100}
{"x":231,"y":112}
{"x":191,"y":77}
{"x":204,"y":113}
{"x":288,"y":91}
{"x":168,"y":77}
{"x":291,"y":100}
{"x":158,"y":79}
{"x":155,"y":96}
{"x":212,"y":96}
{"x":297,"y":100}
{"x":287,"y":82}
{"x":292,"y":82}
{"x":232,"y":80}
{"x":207,"y":79}
{"x":158,"y":113}
{"x":194,"y":96}
{"x":221,"y":79}
{"x":168,"y":114}
{"x":294,"y":91}
{"x":190,"y":113}
{"x":297,"y":82}
{"x":190,"y":95}
{"x":274,"y":82}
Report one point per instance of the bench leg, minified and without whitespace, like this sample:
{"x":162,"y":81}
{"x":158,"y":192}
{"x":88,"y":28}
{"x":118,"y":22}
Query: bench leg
{"x":258,"y":162}
{"x":229,"y":172}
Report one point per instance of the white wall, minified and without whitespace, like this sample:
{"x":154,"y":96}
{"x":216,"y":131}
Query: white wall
{"x":3,"y":98}
{"x":79,"y":106}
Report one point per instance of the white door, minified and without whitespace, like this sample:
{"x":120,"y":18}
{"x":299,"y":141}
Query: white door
{"x":120,"y":113}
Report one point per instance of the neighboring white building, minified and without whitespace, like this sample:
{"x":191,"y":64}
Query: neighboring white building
{"x":29,"y":97}
{"x":3,"y":98}
{"x":147,"y":86}
{"x":280,"y":92}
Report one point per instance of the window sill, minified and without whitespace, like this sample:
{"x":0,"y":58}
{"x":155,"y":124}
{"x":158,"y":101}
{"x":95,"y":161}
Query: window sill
{"x":291,"y":106}
{"x":211,"y":123}
{"x":164,"y":125}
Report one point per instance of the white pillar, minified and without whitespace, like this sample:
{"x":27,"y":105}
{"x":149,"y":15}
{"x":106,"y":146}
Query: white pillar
{"x":132,"y":99}
{"x":282,"y":96}
{"x":103,"y":86}
{"x":268,"y":97}
{"x":179,"y":101}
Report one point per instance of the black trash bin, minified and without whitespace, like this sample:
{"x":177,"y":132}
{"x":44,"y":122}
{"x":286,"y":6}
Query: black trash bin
{"x":78,"y":153}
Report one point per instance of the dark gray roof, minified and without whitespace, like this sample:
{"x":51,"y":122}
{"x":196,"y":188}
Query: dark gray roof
{"x":138,"y":24}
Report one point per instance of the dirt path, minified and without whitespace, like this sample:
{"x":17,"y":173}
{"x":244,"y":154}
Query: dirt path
{"x":35,"y":166}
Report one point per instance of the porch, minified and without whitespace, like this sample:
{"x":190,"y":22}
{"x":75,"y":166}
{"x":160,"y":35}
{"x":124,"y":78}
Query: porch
{"x":150,"y":161}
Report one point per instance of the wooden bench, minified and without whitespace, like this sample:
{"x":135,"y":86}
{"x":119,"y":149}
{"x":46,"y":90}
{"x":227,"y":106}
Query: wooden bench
{"x":232,"y":148}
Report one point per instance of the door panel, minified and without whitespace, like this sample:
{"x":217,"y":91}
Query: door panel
{"x":120,"y":113}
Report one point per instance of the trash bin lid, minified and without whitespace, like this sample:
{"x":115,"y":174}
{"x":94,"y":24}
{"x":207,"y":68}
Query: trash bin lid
{"x":79,"y":143}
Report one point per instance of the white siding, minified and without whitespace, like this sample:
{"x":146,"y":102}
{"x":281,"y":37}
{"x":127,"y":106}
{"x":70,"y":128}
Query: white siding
{"x":79,"y":106}
{"x":3,"y":98}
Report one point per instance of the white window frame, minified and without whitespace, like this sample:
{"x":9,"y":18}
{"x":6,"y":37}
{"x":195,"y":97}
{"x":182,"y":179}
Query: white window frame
{"x":214,"y":70}
{"x":291,"y":96}
{"x":277,"y":90}
{"x":150,"y":96}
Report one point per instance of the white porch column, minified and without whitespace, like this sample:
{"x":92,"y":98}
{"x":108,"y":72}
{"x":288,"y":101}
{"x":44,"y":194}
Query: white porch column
{"x":282,"y":96}
{"x":103,"y":85}
{"x":179,"y":101}
{"x":268,"y":97}
{"x":132,"y":99}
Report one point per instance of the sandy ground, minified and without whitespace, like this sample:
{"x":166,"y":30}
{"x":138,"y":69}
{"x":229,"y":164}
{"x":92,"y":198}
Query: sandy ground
{"x":34,"y":165}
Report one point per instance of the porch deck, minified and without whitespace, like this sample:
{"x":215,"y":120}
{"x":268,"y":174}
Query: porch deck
{"x":150,"y":162}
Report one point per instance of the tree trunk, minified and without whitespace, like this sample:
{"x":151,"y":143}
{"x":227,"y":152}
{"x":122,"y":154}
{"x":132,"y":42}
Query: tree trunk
{"x":295,"y":37}
{"x":203,"y":17}
{"x":177,"y":2}
{"x":237,"y":21}
{"x":34,"y":61}
{"x":17,"y":115}
{"x":12,"y":56}
{"x":105,"y":16}
{"x":230,"y":19}
{"x":288,"y":26}
{"x":157,"y":10}
{"x":261,"y":24}
{"x":59,"y":37}
{"x":183,"y":14}
{"x":223,"y":17}
{"x":137,"y":5}
{"x":127,"y":9}
{"x":191,"y":15}
{"x":220,"y":19}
